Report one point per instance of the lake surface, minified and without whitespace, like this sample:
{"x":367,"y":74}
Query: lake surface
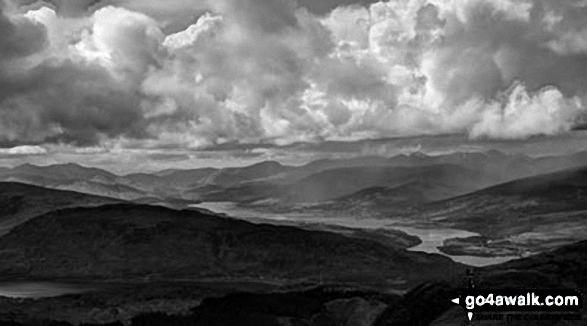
{"x":35,"y":290}
{"x":432,"y":238}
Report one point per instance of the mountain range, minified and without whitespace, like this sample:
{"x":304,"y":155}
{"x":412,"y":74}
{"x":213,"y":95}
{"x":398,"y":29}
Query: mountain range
{"x":273,"y":185}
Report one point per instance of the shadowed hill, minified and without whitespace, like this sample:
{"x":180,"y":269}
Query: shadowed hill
{"x":20,"y":202}
{"x":517,"y":206}
{"x":137,"y":241}
{"x":69,"y":171}
{"x":565,"y":266}
{"x":73,"y":177}
{"x":429,"y":303}
{"x":360,"y":184}
{"x":426,"y":304}
{"x":335,"y":183}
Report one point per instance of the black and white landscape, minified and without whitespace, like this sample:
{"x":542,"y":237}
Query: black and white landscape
{"x":288,"y":162}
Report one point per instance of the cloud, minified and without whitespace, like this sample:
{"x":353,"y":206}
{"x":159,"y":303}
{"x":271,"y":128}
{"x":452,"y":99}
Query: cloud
{"x":546,"y":112}
{"x":324,"y":7}
{"x":442,"y":57}
{"x":75,"y":8}
{"x":20,"y":36}
{"x":23,"y":150}
{"x":83,"y":92}
{"x":280,"y":71}
{"x":230,"y":78}
{"x":167,"y":157}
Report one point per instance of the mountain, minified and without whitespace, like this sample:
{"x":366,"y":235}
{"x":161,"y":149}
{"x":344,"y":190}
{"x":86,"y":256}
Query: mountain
{"x":340,"y":182}
{"x":53,"y":172}
{"x":102,"y":188}
{"x":361,"y":190}
{"x":383,"y":200}
{"x":72,"y":177}
{"x":532,"y":214}
{"x":234,"y":176}
{"x":171,"y":179}
{"x":316,"y":182}
{"x":327,"y":180}
{"x":224,"y":177}
{"x":506,"y":206}
{"x":21,"y":202}
{"x":127,"y":241}
{"x":249,"y":192}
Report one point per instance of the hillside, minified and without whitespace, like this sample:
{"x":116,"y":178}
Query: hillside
{"x":137,"y":241}
{"x":563,"y":268}
{"x":73,"y":177}
{"x":532,"y":214}
{"x":426,"y":304}
{"x":506,"y":205}
{"x":20,"y":202}
{"x":340,"y":182}
{"x":382,"y":201}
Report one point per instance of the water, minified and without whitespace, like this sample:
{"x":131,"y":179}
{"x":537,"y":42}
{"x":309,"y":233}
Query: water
{"x":36,"y":290}
{"x":432,"y":238}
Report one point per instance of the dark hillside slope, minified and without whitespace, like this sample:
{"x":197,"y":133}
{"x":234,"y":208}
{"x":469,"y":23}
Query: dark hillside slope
{"x":341,"y":182}
{"x":429,"y":303}
{"x":138,"y":241}
{"x":517,"y":206}
{"x":20,"y":202}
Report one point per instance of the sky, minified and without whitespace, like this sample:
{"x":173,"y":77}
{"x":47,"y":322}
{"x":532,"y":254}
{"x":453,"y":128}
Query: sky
{"x":149,"y":84}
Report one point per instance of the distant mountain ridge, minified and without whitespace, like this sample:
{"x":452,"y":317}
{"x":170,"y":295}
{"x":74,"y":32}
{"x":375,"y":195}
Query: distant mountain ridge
{"x":72,"y":177}
{"x":319,"y":181}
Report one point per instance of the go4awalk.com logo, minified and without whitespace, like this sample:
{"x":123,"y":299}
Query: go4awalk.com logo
{"x":510,"y":300}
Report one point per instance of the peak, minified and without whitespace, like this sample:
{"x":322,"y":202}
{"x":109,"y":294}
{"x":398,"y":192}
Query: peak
{"x":67,"y":165}
{"x":270,"y":163}
{"x":27,"y":166}
{"x":265,"y":164}
{"x":418,"y":154}
{"x":494,"y":152}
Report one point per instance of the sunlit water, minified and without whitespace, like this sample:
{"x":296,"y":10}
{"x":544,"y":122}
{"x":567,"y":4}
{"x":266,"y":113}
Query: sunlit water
{"x":432,"y":238}
{"x":37,"y":290}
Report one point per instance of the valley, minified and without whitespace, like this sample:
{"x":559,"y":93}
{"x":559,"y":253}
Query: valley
{"x":346,"y":243}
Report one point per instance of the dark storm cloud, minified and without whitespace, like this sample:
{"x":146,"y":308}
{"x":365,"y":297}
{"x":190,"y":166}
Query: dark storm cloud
{"x":61,"y":100}
{"x":81,"y":103}
{"x":20,"y":37}
{"x":270,"y":16}
{"x":347,"y":78}
{"x":318,"y":7}
{"x":490,"y":50}
{"x":66,"y":8}
{"x":323,"y":7}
